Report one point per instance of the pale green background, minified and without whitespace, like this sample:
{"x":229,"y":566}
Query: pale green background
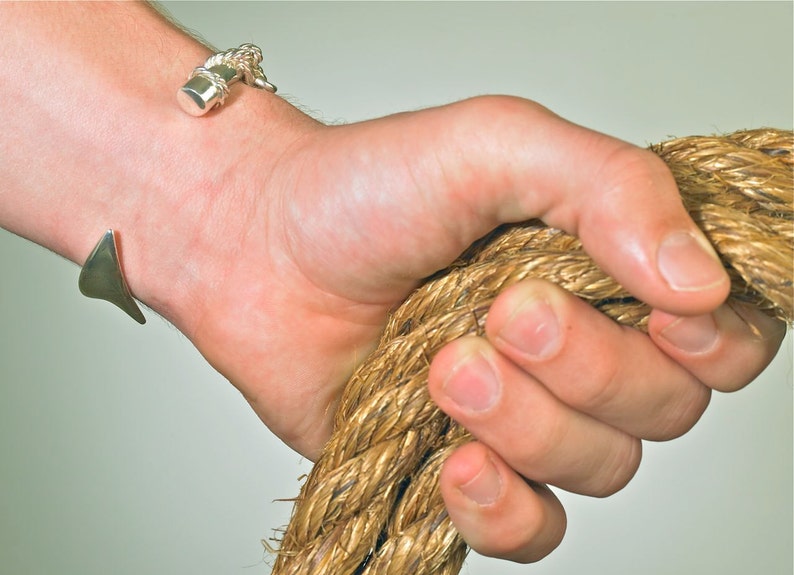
{"x":122,"y":452}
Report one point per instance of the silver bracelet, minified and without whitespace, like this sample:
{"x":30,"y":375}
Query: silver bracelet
{"x":208,"y":85}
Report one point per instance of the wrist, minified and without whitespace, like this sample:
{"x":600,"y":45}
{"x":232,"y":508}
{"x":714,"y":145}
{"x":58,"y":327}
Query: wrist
{"x":126,"y":156}
{"x":207,"y":193}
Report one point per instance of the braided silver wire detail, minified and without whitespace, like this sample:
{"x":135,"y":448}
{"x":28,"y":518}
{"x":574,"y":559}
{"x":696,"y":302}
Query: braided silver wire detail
{"x":245,"y":61}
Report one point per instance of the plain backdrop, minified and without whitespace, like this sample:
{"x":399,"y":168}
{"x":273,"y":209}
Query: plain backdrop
{"x":122,"y":452}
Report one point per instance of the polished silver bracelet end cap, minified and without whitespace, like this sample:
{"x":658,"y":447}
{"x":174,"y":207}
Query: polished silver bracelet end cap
{"x":198,"y":96}
{"x":102,"y":278}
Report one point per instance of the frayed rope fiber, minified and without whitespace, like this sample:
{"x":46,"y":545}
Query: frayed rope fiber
{"x":372,"y":505}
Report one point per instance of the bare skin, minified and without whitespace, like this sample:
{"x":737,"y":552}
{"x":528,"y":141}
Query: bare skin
{"x":277,"y":245}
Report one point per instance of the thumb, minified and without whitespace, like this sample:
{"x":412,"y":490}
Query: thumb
{"x":525,"y":162}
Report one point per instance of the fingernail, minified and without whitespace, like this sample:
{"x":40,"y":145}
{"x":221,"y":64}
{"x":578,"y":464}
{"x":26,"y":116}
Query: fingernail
{"x":692,"y":334}
{"x":485,"y":487}
{"x":473,"y":385}
{"x":533,"y":329}
{"x":689,"y":263}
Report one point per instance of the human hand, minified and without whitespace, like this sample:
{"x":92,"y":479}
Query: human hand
{"x":354,"y":216}
{"x":278,"y":246}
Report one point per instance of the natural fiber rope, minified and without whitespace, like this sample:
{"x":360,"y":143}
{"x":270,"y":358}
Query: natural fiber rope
{"x":372,"y":505}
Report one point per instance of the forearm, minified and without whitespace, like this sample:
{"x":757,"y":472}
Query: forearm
{"x":88,"y":116}
{"x":94,"y":139}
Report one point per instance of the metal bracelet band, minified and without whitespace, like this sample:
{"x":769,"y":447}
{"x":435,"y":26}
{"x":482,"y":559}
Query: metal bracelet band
{"x":208,"y":85}
{"x":102,"y":278}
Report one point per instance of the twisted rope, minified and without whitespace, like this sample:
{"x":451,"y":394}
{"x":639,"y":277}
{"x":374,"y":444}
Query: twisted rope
{"x":372,"y":505}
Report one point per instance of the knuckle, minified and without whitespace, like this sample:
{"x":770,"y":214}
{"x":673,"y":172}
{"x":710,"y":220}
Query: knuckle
{"x":628,"y":177}
{"x":500,"y":108}
{"x":681,"y":415}
{"x":731,"y":383}
{"x":627,"y":165}
{"x":516,"y":539}
{"x":545,"y":436}
{"x":618,"y":468}
{"x":598,"y":387}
